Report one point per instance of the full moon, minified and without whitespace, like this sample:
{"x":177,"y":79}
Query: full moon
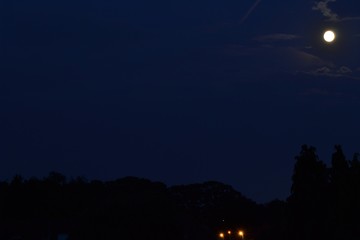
{"x":329,"y":36}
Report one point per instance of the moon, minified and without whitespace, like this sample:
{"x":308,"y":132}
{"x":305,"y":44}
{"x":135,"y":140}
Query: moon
{"x":329,"y":36}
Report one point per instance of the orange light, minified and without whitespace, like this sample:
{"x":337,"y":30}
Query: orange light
{"x":241,"y":233}
{"x":221,"y":235}
{"x":229,"y":232}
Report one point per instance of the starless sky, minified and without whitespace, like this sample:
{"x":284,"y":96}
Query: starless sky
{"x":177,"y":91}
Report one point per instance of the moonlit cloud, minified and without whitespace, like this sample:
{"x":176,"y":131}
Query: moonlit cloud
{"x":327,"y":71}
{"x":323,"y":71}
{"x":344,"y":70}
{"x":274,"y":59}
{"x":323,"y":7}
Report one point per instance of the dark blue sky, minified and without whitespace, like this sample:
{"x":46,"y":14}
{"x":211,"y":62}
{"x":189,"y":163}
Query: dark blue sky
{"x":177,"y":91}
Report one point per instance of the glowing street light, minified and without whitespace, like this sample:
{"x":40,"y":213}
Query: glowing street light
{"x":228,"y":235}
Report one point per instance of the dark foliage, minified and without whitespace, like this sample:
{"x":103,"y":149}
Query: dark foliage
{"x":127,"y":208}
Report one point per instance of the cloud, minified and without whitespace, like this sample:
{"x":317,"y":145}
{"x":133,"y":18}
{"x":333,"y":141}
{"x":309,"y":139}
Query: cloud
{"x":344,"y":70}
{"x":323,"y":7}
{"x":250,"y":11}
{"x":276,"y":37}
{"x":323,"y":71}
{"x":273,"y":59}
{"x":327,"y":71}
{"x":307,"y":60}
{"x":349,"y":19}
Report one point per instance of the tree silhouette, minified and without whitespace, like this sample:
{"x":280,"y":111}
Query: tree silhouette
{"x":340,"y":186}
{"x":308,"y":200}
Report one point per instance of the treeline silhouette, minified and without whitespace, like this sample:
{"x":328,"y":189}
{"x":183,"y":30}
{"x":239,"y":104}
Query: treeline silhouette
{"x":127,"y":208}
{"x":324,"y":203}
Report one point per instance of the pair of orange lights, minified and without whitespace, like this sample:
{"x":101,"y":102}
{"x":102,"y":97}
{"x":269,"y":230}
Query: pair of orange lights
{"x":239,"y":233}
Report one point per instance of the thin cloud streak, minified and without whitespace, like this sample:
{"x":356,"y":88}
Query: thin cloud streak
{"x":349,"y":19}
{"x":250,"y":11}
{"x":343,"y":71}
{"x":276,"y":37}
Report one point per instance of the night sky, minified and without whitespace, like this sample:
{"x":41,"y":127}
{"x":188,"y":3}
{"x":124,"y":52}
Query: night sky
{"x":179,"y":91}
